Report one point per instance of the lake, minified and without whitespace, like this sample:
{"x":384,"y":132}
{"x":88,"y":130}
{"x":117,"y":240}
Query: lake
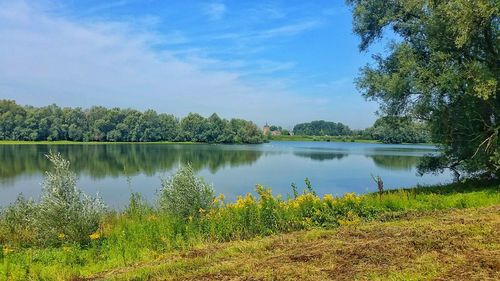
{"x":116,"y":170}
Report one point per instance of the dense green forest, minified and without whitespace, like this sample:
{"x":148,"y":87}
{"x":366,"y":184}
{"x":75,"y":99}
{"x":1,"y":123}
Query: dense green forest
{"x":321,"y":128}
{"x":98,"y":123}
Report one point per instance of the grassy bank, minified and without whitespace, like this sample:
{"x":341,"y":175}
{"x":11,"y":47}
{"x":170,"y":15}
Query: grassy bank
{"x":439,"y":245}
{"x":145,"y":241}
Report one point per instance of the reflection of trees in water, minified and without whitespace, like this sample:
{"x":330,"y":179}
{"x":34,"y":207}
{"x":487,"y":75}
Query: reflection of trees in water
{"x":395,"y":162}
{"x":320,"y":156}
{"x":101,"y":160}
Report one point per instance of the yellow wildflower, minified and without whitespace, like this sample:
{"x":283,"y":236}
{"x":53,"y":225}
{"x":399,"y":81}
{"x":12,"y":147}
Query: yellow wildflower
{"x":61,"y":236}
{"x":329,"y":199}
{"x":202,"y":211}
{"x":7,"y":250}
{"x":67,"y":249}
{"x":352,"y":197}
{"x":248,"y":198}
{"x":95,"y":236}
{"x":152,"y":218}
{"x":190,"y":218}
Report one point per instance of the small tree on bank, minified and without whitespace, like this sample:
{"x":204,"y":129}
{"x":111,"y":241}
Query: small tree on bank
{"x":65,"y":212}
{"x":184,"y":194}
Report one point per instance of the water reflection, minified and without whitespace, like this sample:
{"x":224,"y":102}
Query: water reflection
{"x":115,"y":170}
{"x":320,"y":156}
{"x":114,"y":160}
{"x":395,"y":162}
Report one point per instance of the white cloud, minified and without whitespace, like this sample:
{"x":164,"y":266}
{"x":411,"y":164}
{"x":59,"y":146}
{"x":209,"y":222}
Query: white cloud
{"x":291,"y":29}
{"x":215,"y":10}
{"x":50,"y":59}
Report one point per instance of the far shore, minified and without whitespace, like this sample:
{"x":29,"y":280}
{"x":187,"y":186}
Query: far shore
{"x":9,"y":142}
{"x":274,"y":138}
{"x":331,"y":139}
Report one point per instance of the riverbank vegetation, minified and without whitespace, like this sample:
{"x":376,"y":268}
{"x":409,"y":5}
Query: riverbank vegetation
{"x":393,"y":130}
{"x":443,"y":245}
{"x":100,"y":124}
{"x":67,"y":234}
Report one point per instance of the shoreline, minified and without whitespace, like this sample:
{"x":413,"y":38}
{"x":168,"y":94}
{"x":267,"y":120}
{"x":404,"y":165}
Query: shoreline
{"x":8,"y":142}
{"x":3,"y":142}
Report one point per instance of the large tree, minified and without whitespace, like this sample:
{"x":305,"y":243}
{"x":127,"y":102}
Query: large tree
{"x":442,"y":68}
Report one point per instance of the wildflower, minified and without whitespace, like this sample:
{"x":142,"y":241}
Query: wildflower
{"x":61,"y":236}
{"x":7,"y":250}
{"x":329,"y":199}
{"x":152,"y":218}
{"x":248,"y":199}
{"x":67,"y":249}
{"x":95,"y":236}
{"x":202,"y":211}
{"x":352,"y":197}
{"x":190,"y":218}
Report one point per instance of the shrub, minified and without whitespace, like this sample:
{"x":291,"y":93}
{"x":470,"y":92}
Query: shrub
{"x":17,"y":222}
{"x":65,"y":212}
{"x":184,"y":194}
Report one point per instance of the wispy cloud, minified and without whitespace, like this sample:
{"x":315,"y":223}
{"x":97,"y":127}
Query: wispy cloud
{"x":267,"y":10}
{"x":291,"y":29}
{"x":45,"y":59}
{"x":50,"y":53}
{"x":279,"y":31}
{"x":215,"y":10}
{"x":105,"y":5}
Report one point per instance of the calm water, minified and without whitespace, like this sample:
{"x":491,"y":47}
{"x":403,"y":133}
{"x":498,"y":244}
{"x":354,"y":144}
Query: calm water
{"x":116,"y":170}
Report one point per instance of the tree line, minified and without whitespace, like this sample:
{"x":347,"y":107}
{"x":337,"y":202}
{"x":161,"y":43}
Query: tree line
{"x":53,"y":123}
{"x":321,"y":128}
{"x":387,"y":129}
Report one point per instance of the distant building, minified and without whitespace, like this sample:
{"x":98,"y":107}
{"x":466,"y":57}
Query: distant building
{"x":275,"y":133}
{"x":266,"y":130}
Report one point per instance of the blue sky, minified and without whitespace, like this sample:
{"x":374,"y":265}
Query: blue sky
{"x":283,"y":62}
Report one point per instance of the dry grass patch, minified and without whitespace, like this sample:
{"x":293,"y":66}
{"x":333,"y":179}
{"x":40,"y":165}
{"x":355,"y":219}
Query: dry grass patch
{"x":445,"y":245}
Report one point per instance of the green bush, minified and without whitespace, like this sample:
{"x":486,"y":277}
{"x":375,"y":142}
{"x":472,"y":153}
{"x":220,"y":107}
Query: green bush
{"x":17,"y":222}
{"x":63,"y":215}
{"x":65,"y":212}
{"x":184,"y":194}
